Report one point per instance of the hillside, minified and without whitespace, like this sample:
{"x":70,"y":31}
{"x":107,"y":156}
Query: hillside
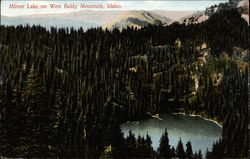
{"x":200,"y":16}
{"x":85,"y":18}
{"x":244,"y":9}
{"x":137,"y":19}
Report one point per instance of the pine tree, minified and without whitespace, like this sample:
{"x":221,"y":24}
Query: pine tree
{"x":208,"y":154}
{"x":37,"y":118}
{"x":140,"y":147}
{"x":164,"y":147}
{"x":148,"y":147}
{"x":173,"y":152}
{"x":11,"y":121}
{"x":116,"y":136}
{"x":130,"y":145}
{"x":180,"y":153}
{"x":189,"y":151}
{"x":199,"y":156}
{"x":195,"y":155}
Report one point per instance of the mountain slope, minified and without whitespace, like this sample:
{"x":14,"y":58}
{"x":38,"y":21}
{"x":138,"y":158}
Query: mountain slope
{"x":89,"y":18}
{"x":173,"y":14}
{"x":244,"y":9}
{"x":200,"y":16}
{"x":136,"y":19}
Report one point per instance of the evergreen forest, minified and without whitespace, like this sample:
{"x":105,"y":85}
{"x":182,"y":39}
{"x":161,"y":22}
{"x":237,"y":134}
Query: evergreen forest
{"x":64,"y":92}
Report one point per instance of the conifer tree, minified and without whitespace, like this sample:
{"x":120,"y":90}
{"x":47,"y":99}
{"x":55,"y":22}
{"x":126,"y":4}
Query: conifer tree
{"x":37,"y":124}
{"x":148,"y":147}
{"x":130,"y":145}
{"x":199,"y":156}
{"x":180,"y":153}
{"x":164,"y":147}
{"x":189,"y":151}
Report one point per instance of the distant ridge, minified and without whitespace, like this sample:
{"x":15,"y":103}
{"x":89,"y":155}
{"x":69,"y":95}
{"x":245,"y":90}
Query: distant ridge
{"x":200,"y":16}
{"x":85,"y":18}
{"x":137,"y":19}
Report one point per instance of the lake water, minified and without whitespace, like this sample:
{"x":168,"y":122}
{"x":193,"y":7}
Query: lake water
{"x":202,"y":133}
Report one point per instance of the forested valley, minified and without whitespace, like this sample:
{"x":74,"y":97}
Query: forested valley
{"x":64,"y":92}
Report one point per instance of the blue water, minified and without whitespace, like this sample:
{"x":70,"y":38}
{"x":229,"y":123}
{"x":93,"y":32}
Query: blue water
{"x":202,"y":133}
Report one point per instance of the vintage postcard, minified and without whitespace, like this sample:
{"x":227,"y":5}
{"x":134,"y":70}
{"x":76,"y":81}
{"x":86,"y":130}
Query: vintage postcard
{"x":163,"y":79}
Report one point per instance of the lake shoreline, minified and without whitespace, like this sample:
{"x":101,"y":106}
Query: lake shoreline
{"x":188,"y":127}
{"x":159,"y":117}
{"x":200,"y":116}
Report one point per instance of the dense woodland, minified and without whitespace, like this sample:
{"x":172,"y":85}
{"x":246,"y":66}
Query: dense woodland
{"x":64,"y":92}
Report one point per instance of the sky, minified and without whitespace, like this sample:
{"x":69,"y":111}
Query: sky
{"x":194,"y":5}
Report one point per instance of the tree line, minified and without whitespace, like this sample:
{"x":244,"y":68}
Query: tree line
{"x":140,"y":147}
